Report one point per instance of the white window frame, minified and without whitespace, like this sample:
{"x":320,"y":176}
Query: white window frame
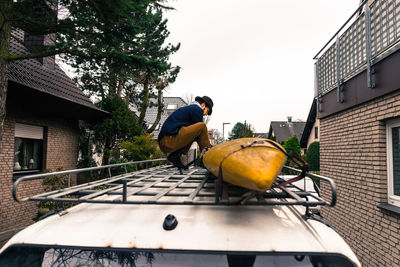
{"x":392,"y":199}
{"x":172,"y":106}
{"x":32,"y":132}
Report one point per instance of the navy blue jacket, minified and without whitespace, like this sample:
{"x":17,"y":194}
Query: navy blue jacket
{"x":183,"y":116}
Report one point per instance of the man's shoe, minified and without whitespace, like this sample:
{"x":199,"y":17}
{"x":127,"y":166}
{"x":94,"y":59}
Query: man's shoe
{"x":204,"y":152}
{"x":175,"y":159}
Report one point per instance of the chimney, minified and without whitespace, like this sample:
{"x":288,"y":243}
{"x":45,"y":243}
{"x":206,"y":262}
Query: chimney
{"x":289,"y":118}
{"x":48,"y":10}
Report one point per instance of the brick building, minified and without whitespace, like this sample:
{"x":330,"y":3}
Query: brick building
{"x":40,"y":131}
{"x":358,"y":98}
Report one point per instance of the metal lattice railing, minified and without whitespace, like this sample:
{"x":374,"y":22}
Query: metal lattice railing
{"x":371,"y":35}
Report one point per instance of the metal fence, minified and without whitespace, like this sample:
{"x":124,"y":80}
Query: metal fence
{"x":374,"y":32}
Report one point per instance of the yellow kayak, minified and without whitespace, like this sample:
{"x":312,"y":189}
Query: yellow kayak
{"x":252,"y":163}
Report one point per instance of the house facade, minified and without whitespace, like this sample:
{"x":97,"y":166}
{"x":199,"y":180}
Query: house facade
{"x":311,"y":130}
{"x":358,"y":104}
{"x":282,"y":130}
{"x":40,"y":130}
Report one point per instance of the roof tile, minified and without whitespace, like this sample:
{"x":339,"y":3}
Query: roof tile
{"x":284,"y":130}
{"x":33,"y":74}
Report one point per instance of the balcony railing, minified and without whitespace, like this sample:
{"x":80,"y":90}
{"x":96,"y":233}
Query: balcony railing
{"x":373,"y":35}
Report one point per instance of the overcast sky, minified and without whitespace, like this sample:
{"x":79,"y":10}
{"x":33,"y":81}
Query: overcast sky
{"x":254,"y":58}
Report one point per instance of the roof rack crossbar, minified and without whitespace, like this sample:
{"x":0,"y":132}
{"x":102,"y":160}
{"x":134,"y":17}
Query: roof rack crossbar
{"x":307,"y":194}
{"x":103,"y":191}
{"x":137,"y":190}
{"x":115,"y":187}
{"x":292,"y":194}
{"x":74,"y":189}
{"x":275,"y":194}
{"x":151,"y":194}
{"x":173,"y":186}
{"x":196,"y":191}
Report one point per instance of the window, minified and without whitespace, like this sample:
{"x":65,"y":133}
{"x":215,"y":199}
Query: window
{"x":393,"y":161}
{"x":28,"y":148}
{"x":316,"y":132}
{"x":23,"y":255}
{"x":157,"y":127}
{"x":172,"y":106}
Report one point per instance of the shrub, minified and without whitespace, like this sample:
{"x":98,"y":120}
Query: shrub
{"x":142,"y":147}
{"x":292,"y":144}
{"x":313,"y":156}
{"x":121,"y":126}
{"x":52,"y":183}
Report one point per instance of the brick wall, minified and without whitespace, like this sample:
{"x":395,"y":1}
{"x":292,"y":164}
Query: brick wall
{"x":353,"y":153}
{"x":61,"y":145}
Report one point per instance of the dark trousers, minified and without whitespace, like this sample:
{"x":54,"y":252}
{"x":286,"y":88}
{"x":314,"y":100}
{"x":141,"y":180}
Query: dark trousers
{"x":182,"y":141}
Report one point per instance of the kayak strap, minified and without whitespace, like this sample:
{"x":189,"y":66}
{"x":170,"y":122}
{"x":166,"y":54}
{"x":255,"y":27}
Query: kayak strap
{"x":292,"y":156}
{"x":220,"y":174}
{"x":300,"y":162}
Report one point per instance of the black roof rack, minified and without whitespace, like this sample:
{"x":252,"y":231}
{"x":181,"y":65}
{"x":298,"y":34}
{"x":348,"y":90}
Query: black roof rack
{"x":166,"y":185}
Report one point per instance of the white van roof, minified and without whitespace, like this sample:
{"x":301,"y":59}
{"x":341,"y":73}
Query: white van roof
{"x":208,"y":227}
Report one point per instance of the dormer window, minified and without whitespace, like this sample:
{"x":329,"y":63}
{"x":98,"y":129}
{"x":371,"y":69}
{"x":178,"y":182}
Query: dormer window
{"x":172,"y":106}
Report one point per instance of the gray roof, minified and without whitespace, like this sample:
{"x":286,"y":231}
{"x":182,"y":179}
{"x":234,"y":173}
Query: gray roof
{"x":170,"y":105}
{"x":284,"y":130}
{"x":44,"y":78}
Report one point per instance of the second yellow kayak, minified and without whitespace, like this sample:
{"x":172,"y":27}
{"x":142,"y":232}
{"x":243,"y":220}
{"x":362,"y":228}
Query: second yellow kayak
{"x":254,"y":167}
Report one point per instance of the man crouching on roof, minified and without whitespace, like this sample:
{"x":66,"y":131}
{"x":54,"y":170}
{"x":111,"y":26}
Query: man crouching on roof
{"x":184,"y":126}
